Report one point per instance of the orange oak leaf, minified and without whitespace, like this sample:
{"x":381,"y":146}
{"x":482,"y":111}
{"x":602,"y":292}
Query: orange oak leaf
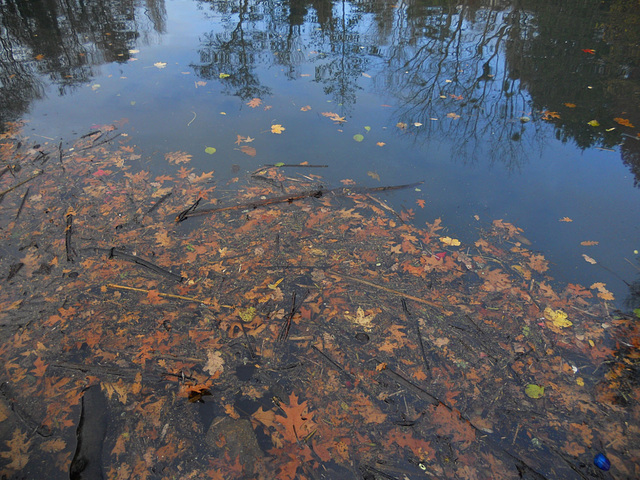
{"x":254,"y":102}
{"x":420,"y":202}
{"x":40,"y":367}
{"x":298,"y":421}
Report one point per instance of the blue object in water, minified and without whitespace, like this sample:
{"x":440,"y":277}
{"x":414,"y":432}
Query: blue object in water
{"x":602,"y":462}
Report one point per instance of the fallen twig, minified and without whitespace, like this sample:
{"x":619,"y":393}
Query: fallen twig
{"x":4,"y":192}
{"x":24,"y":200}
{"x":290,"y":199}
{"x":160,"y":294}
{"x":344,"y":276}
{"x":113,"y":252}
{"x":71,"y":253}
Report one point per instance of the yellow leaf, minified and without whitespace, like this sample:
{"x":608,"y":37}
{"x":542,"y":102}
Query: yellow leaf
{"x":566,"y":219}
{"x":273,"y":286}
{"x":558,"y":317}
{"x":277,"y":128}
{"x":380,"y":144}
{"x":587,"y":258}
{"x":594,"y":123}
{"x":453,"y":242}
{"x":580,"y":381}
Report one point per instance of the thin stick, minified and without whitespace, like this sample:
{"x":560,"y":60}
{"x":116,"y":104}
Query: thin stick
{"x":191,"y":121}
{"x":160,"y":294}
{"x":385,"y":289}
{"x":24,"y":200}
{"x":297,"y":165}
{"x":71,"y":253}
{"x":4,"y":192}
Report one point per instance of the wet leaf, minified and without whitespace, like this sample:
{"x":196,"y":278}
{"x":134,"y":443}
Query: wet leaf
{"x":277,"y":129}
{"x":306,"y":108}
{"x":358,"y":137}
{"x":160,"y":64}
{"x":215,"y":362}
{"x":594,"y":123}
{"x":534,"y":391}
{"x":565,"y":219}
{"x":453,"y":115}
{"x":587,"y":258}
{"x":178,"y":157}
{"x":380,"y":144}
{"x":224,"y":75}
{"x":452,"y":242}
{"x":254,"y":102}
{"x":558,"y":317}
{"x":367,"y":128}
{"x":210,"y":150}
{"x":248,"y":150}
{"x":590,"y":51}
{"x":624,"y":122}
{"x":588,"y":243}
{"x":18,"y":453}
{"x":374,"y":175}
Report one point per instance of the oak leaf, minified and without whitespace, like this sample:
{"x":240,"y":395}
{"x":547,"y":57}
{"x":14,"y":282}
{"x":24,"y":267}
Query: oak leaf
{"x":178,"y":157}
{"x":214,"y":363}
{"x":298,"y":421}
{"x":18,"y":451}
{"x":254,"y":102}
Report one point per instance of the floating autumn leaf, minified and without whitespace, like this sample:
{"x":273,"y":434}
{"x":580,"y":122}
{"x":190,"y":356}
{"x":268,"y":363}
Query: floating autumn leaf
{"x":624,"y":122}
{"x":381,"y":366}
{"x":401,"y":125}
{"x":565,"y":219}
{"x":453,"y":115}
{"x":210,"y":150}
{"x":534,"y":391}
{"x":590,"y":51}
{"x":558,"y":317}
{"x":200,"y":83}
{"x":248,"y":150}
{"x":374,"y":175}
{"x":420,"y":202}
{"x":603,"y":293}
{"x":380,"y":144}
{"x":587,"y":258}
{"x":160,"y":64}
{"x":254,"y":102}
{"x":277,"y":129}
{"x":452,"y":242}
{"x":178,"y":157}
{"x":588,"y":243}
{"x":306,"y":108}
{"x":593,"y":123}
{"x":224,"y":75}
{"x":547,"y":115}
{"x":570,"y":105}
{"x":333,"y":116}
{"x":358,"y":137}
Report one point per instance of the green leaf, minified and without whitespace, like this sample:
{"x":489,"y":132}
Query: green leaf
{"x":534,"y":391}
{"x":594,"y":123}
{"x":224,"y":75}
{"x":637,"y":312}
{"x":279,"y":164}
{"x":210,"y":150}
{"x":367,"y":128}
{"x":358,"y":137}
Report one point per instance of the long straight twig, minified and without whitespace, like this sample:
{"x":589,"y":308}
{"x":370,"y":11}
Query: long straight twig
{"x":4,"y":192}
{"x":24,"y":200}
{"x":160,"y":294}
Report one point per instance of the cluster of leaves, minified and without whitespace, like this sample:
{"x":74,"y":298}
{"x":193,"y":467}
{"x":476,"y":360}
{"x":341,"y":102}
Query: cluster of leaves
{"x":327,"y":333}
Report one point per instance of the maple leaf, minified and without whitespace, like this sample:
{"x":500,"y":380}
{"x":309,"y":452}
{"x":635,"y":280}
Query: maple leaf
{"x":361,"y":318}
{"x":254,"y":102}
{"x":178,"y":157}
{"x":277,"y":129}
{"x":547,"y":115}
{"x":18,"y":451}
{"x":298,"y":422}
{"x":602,"y":291}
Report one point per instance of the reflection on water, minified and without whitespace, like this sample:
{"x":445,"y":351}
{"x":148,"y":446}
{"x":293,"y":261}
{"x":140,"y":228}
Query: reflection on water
{"x":495,"y":81}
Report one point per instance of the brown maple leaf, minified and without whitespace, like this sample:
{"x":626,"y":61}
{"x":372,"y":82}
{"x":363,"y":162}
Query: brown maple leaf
{"x":254,"y":102}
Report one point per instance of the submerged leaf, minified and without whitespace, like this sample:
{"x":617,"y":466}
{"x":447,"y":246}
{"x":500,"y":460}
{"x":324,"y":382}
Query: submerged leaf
{"x":534,"y":391}
{"x":558,"y":317}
